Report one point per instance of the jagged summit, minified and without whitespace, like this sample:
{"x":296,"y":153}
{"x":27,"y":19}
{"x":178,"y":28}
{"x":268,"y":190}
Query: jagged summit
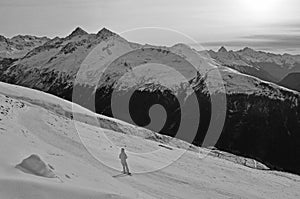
{"x":78,"y":31}
{"x":104,"y":30}
{"x":247,"y":49}
{"x":222,"y":49}
{"x":105,"y":33}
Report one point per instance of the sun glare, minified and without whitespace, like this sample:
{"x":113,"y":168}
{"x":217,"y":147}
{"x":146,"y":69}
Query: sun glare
{"x":261,"y":9}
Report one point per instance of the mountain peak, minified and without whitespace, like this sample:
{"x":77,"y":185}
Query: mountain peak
{"x":78,"y":31}
{"x":222,"y":49}
{"x":247,"y":49}
{"x":105,"y":33}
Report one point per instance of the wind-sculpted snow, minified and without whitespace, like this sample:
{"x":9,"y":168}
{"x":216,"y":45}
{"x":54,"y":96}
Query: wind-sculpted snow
{"x":34,"y":165}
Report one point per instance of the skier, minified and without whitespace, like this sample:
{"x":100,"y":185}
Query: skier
{"x":123,"y":158}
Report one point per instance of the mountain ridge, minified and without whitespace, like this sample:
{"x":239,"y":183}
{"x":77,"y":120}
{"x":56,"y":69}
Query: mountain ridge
{"x":264,"y":65}
{"x":19,"y":45}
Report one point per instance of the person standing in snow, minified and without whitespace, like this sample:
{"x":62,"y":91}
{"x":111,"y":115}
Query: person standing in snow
{"x":123,"y":158}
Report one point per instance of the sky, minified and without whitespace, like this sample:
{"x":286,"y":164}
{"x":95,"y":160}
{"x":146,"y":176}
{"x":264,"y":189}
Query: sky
{"x":271,"y":25}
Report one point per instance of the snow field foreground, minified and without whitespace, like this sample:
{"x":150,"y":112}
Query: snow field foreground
{"x":36,"y":123}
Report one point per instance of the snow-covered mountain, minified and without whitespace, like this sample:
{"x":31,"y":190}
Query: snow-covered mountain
{"x":260,"y":115}
{"x":52,"y":66}
{"x":20,"y":45}
{"x":43,"y":156}
{"x":266,"y":66}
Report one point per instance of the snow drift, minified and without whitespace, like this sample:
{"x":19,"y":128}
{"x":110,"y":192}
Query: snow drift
{"x":34,"y":165}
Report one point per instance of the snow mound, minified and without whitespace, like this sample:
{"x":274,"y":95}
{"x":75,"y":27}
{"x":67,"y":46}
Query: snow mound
{"x":36,"y":166}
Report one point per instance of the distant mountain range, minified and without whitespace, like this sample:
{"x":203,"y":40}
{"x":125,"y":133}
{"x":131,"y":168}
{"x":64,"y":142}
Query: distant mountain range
{"x":266,"y":66}
{"x":20,"y":45}
{"x":262,"y":118}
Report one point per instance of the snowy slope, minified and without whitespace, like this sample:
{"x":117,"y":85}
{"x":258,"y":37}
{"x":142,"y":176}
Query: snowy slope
{"x":35,"y":123}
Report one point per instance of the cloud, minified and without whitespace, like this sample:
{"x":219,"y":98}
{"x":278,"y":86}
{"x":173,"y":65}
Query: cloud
{"x":278,"y":40}
{"x":286,"y":26}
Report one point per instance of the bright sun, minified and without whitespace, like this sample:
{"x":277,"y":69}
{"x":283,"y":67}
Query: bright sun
{"x":261,"y":9}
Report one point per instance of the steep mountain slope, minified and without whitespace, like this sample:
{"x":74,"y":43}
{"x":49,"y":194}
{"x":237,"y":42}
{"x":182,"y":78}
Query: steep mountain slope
{"x":260,"y":116}
{"x":19,"y":46}
{"x":291,"y":81}
{"x":33,"y":122}
{"x":266,"y":66}
{"x":52,"y":66}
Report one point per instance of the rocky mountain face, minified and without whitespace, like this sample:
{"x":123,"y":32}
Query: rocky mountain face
{"x":52,"y":66}
{"x":292,"y":81}
{"x":18,"y":46}
{"x":266,"y":66}
{"x":262,"y":119}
